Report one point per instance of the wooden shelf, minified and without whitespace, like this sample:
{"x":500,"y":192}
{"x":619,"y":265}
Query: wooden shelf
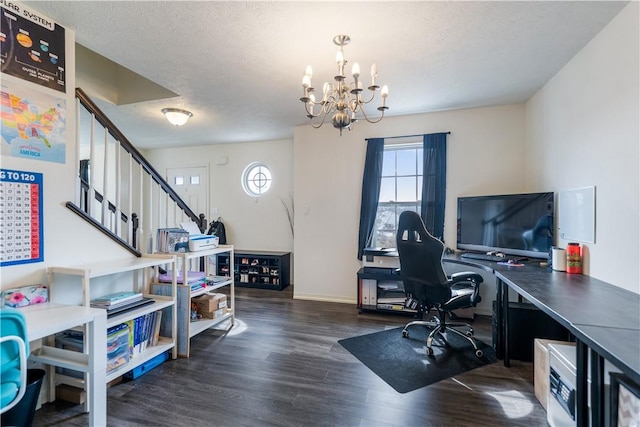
{"x":186,"y":328}
{"x":143,"y":271}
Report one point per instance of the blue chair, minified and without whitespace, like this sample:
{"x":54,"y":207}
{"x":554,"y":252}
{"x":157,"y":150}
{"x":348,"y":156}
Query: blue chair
{"x":14,"y":348}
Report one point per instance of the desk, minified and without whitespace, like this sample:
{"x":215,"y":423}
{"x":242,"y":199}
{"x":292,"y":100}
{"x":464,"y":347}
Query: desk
{"x":48,"y":319}
{"x":604,"y":319}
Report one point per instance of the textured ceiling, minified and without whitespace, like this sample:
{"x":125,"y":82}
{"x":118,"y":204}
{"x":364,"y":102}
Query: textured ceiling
{"x":238,"y":66}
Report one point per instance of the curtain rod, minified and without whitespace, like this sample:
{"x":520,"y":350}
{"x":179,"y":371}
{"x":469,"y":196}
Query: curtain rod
{"x":406,"y":136}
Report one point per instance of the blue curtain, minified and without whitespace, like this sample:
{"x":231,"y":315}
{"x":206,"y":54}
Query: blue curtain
{"x":370,"y":191}
{"x":434,"y":182}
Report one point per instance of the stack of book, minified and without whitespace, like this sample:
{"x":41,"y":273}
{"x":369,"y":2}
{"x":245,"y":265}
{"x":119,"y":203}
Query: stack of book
{"x":144,"y":332}
{"x":195,"y":279}
{"x":120,"y":301}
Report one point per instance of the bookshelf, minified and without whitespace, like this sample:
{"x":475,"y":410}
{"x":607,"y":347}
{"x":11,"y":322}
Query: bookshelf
{"x":131,"y":274}
{"x":189,"y":262}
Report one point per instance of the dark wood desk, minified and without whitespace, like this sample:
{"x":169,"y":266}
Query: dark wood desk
{"x":604,"y":319}
{"x":601,"y":316}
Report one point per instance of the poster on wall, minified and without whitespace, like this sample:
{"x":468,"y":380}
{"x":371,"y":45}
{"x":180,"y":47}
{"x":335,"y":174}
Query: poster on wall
{"x":21,"y":231}
{"x":31,"y":46}
{"x":32,"y":123}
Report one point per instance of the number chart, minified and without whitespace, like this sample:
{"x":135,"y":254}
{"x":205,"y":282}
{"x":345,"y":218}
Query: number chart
{"x":20,"y":217}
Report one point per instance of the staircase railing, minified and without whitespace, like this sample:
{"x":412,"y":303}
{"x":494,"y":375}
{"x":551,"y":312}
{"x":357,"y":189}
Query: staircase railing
{"x":118,"y":191}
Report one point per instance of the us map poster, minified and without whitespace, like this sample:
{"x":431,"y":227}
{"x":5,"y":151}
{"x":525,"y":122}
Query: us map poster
{"x":21,"y":215}
{"x":31,"y":46}
{"x":33,"y":123}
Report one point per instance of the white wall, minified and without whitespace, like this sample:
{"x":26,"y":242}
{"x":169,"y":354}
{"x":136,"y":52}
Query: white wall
{"x":66,"y":236}
{"x":485,"y":155}
{"x":582,"y":130}
{"x":251,"y":223}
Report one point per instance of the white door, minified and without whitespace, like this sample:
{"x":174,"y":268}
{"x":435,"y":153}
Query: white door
{"x":192,"y":185}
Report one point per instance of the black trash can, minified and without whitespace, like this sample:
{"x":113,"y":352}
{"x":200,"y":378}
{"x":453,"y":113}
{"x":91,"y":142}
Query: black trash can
{"x":22,"y":414}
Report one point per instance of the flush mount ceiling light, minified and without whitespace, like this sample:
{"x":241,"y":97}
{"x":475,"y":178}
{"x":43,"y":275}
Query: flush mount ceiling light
{"x":176,"y":116}
{"x":342,"y":100}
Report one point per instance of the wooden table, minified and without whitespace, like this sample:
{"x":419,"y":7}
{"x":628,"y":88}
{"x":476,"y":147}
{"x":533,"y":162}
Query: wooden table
{"x":44,"y":320}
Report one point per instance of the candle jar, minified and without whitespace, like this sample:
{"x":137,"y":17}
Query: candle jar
{"x":574,"y":258}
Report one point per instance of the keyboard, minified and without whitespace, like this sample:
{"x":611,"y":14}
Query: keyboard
{"x":483,"y":257}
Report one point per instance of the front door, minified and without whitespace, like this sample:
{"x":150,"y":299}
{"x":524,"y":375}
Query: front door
{"x":192,"y":185}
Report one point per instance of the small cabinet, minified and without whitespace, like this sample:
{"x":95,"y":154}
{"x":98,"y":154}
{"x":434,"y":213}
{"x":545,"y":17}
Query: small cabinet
{"x":257,"y":269}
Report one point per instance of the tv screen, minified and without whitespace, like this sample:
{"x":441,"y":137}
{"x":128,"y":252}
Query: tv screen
{"x":514,"y":224}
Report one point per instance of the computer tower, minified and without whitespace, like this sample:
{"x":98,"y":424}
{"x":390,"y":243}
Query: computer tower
{"x":526,"y":322}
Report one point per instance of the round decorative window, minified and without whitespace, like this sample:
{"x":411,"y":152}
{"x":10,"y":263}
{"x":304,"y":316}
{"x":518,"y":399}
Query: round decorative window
{"x":256,"y":179}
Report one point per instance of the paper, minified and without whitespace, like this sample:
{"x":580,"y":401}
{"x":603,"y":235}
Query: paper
{"x":190,"y":227}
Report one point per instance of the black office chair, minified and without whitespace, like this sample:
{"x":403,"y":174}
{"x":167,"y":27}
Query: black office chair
{"x":426,"y":284}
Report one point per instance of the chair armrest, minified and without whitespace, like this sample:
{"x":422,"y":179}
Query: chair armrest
{"x":466,"y":276}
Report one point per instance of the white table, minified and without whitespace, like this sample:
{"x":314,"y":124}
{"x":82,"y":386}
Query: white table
{"x":47,"y":319}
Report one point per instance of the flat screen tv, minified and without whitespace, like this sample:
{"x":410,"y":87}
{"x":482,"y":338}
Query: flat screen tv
{"x":514,"y":224}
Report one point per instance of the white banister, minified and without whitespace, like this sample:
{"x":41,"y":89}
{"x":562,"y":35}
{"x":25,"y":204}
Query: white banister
{"x":150,"y":211}
{"x":105,"y":179}
{"x":92,"y":172}
{"x":141,"y":214}
{"x":118,"y":183}
{"x":79,"y":191}
{"x":130,"y":202}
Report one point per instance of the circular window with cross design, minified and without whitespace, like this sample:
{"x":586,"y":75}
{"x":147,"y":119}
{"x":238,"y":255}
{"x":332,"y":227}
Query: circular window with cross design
{"x":256,"y":179}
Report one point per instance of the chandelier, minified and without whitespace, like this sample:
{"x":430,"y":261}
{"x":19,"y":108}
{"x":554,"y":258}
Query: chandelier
{"x":341,"y":100}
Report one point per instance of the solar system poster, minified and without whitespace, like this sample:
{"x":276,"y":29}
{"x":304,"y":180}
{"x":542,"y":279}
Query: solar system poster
{"x":31,"y":46}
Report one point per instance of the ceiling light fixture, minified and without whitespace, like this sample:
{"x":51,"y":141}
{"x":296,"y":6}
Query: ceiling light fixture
{"x":341,"y":99}
{"x":176,"y":116}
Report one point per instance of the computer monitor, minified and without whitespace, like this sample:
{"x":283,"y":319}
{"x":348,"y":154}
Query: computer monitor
{"x":514,"y":224}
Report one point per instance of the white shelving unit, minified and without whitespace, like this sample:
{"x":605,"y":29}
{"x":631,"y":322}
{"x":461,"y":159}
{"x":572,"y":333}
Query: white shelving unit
{"x":143,"y":271}
{"x":187,"y":328}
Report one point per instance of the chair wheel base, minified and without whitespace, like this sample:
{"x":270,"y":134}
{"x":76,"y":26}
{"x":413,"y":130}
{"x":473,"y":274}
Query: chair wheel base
{"x":405,"y":333}
{"x":429,"y":352}
{"x":479,"y":353}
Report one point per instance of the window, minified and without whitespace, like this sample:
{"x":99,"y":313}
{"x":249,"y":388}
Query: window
{"x":392,"y":181}
{"x":400,"y":190}
{"x":256,"y":179}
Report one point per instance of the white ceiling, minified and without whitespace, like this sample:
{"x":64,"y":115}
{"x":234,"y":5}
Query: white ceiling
{"x":238,"y":66}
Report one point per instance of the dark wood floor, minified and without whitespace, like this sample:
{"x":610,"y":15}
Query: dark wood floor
{"x":281,"y":365}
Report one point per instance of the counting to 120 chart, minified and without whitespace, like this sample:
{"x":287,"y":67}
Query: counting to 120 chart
{"x":21,"y":217}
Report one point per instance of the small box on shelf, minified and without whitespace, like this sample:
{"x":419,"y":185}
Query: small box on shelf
{"x":210,"y":302}
{"x":214,"y":314}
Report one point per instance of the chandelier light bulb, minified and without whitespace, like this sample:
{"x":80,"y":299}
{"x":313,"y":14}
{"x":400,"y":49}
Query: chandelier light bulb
{"x":325,"y":91}
{"x":309,"y":71}
{"x":355,"y":70}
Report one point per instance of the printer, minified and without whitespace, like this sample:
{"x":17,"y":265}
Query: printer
{"x":197,"y":240}
{"x":386,"y":258}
